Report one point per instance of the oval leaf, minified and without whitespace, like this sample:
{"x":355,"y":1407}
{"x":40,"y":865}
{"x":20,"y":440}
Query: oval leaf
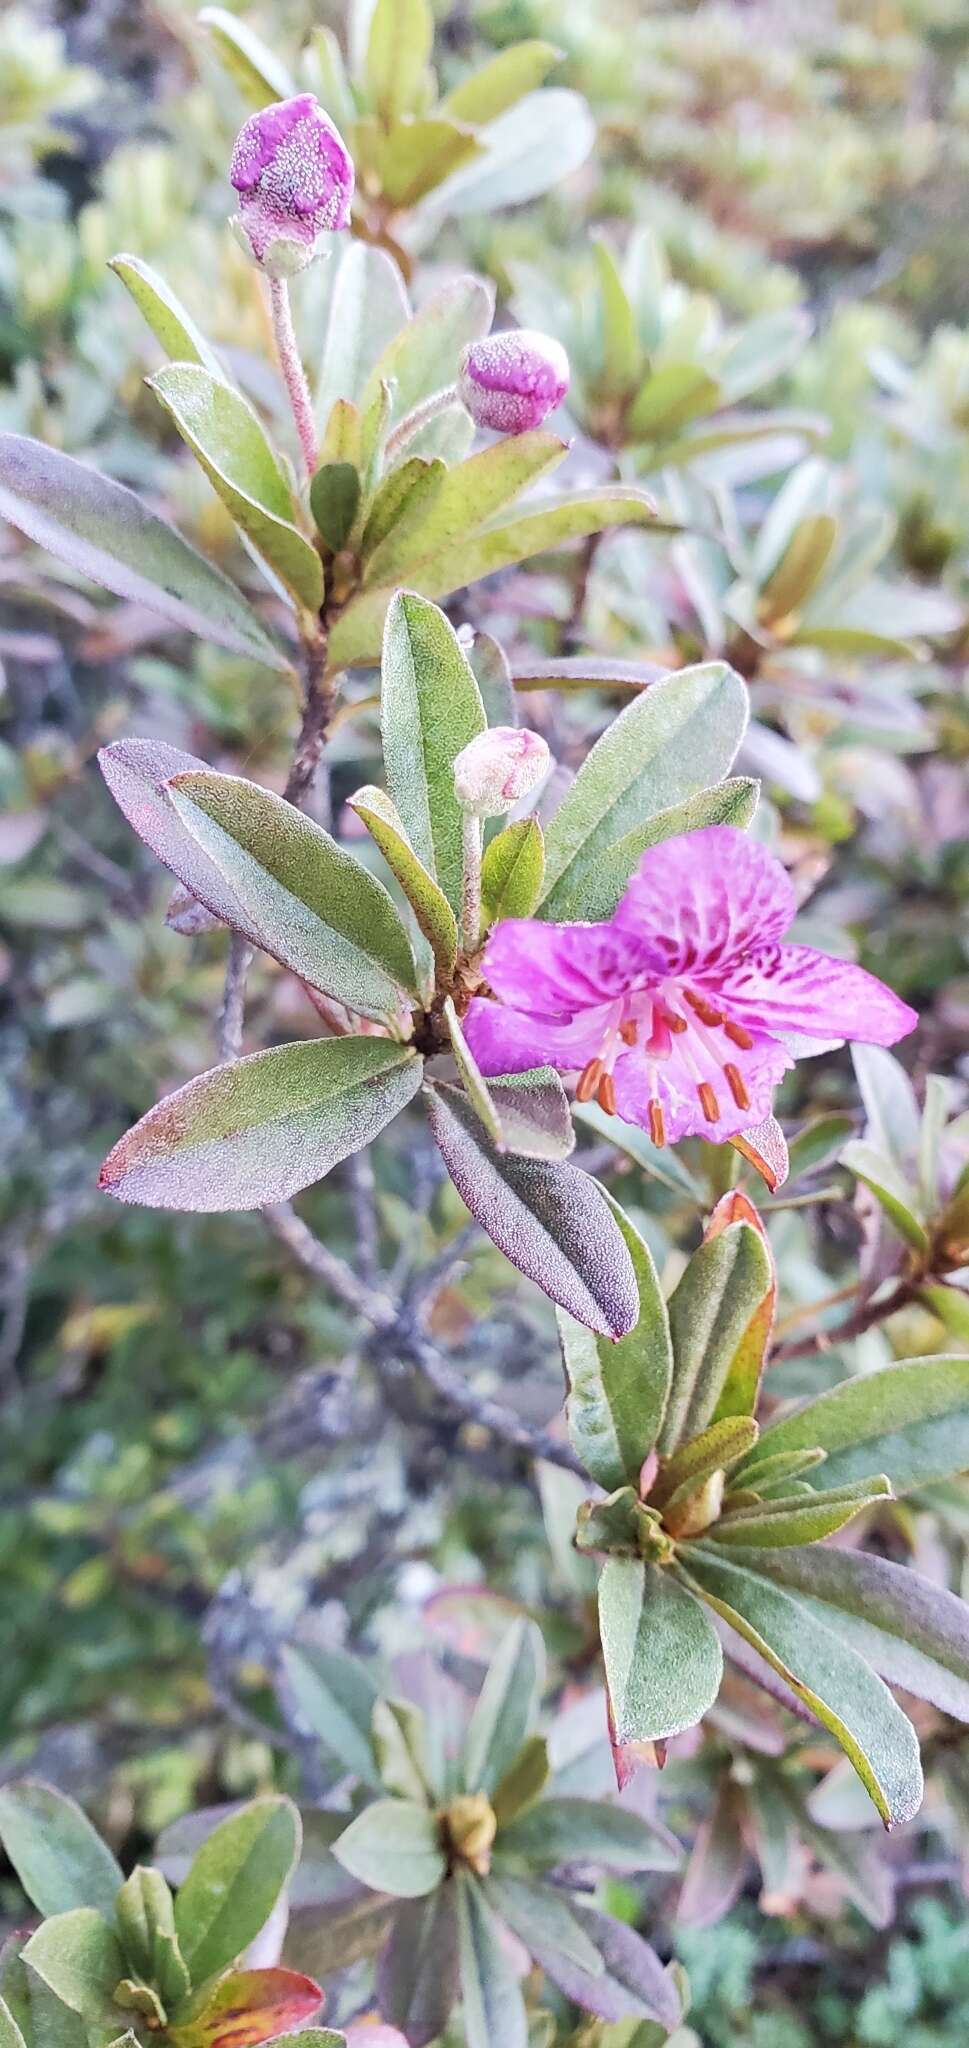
{"x":234,"y":1883}
{"x":662,"y":1655}
{"x":618,"y":1391}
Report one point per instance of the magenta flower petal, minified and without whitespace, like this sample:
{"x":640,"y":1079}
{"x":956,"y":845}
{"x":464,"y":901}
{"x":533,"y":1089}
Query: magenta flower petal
{"x":508,"y":1041}
{"x":674,"y":1085}
{"x":706,"y":898}
{"x":793,"y":988}
{"x":558,"y":969}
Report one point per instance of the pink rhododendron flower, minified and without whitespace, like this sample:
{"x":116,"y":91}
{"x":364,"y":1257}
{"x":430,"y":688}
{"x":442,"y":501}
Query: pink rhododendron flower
{"x":511,"y":381}
{"x":294,"y":176}
{"x":675,"y":1012}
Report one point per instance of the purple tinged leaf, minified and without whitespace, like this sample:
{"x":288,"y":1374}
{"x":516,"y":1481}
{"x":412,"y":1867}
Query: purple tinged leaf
{"x":493,"y":2006}
{"x":910,"y":1420}
{"x":262,"y":1128}
{"x":105,"y":532}
{"x":417,"y":1975}
{"x":632,"y":1983}
{"x":718,"y":1862}
{"x":550,"y":1220}
{"x":913,"y":1633}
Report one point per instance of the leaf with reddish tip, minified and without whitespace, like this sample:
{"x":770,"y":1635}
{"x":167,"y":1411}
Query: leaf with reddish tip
{"x":764,"y":1147}
{"x":742,"y":1384}
{"x":102,"y":530}
{"x":247,"y":2007}
{"x":715,"y":1314}
{"x":550,"y":1220}
{"x":262,"y":1128}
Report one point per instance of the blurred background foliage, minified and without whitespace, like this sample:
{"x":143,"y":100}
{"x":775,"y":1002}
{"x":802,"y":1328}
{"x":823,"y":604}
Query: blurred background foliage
{"x":760,"y":275}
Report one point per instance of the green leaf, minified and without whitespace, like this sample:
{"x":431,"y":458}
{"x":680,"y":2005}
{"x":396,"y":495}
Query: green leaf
{"x":618,"y":1391}
{"x":429,"y":903}
{"x":439,"y":570}
{"x":298,"y":894}
{"x":492,"y":2004}
{"x":227,"y":439}
{"x":661,"y":1164}
{"x":145,"y":1918}
{"x":534,"y":1112}
{"x":234,"y":1883}
{"x":770,"y":1474}
{"x":334,"y":497}
{"x":402,"y":503}
{"x":597,"y":889}
{"x":800,"y":568}
{"x":549,"y":1219}
{"x":398,"y":53}
{"x":58,"y":1856}
{"x":505,"y":1708}
{"x":910,"y":1420}
{"x":484,"y":94}
{"x":717,"y":1303}
{"x":78,"y":1957}
{"x":529,"y":148}
{"x":805,"y":492}
{"x":368,"y":306}
{"x":716,"y":1449}
{"x":476,"y":1087}
{"x":10,"y":2034}
{"x":175,"y":329}
{"x":336,"y":1696}
{"x":662,"y":1656}
{"x":260,"y":1129}
{"x":468,"y":494}
{"x":622,"y":353}
{"x":892,"y":1191}
{"x":838,"y":1686}
{"x":523,"y":1782}
{"x":393,"y":1846}
{"x":630,"y":1980}
{"x":430,"y":708}
{"x":589,"y":1831}
{"x":913,"y":1633}
{"x":416,"y":155}
{"x":252,"y":67}
{"x":423,"y":356}
{"x":806,"y":1518}
{"x":512,"y":872}
{"x":104,"y":532}
{"x":542,"y":1917}
{"x":818,"y":1143}
{"x":762,"y":350}
{"x":677,"y":738}
{"x":399,"y":1745}
{"x":671,"y":395}
{"x":417,"y":1975}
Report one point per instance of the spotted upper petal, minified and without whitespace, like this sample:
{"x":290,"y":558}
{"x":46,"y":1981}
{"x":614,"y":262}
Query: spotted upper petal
{"x":795,"y":989}
{"x":556,"y":970}
{"x":705,"y":899}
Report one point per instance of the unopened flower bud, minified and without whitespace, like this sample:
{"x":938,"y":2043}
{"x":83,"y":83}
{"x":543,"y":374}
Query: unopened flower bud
{"x":494,"y":772}
{"x":511,"y":381}
{"x":294,"y":176}
{"x":470,"y":1825}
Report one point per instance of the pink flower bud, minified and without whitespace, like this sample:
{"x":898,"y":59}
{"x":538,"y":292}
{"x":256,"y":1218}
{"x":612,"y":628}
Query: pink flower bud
{"x":294,"y":176}
{"x":513,"y":380}
{"x":493,"y":772}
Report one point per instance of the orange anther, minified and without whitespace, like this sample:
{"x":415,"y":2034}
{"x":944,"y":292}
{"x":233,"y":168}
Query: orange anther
{"x":708,"y":1102}
{"x":657,"y":1123}
{"x":607,"y":1095}
{"x":589,"y":1080}
{"x":706,"y":1011}
{"x":629,"y":1031}
{"x":737,"y":1086}
{"x":673,"y":1020}
{"x":737,"y":1035}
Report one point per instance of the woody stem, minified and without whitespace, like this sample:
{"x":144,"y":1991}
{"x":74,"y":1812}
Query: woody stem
{"x":292,"y":368}
{"x":471,"y":887}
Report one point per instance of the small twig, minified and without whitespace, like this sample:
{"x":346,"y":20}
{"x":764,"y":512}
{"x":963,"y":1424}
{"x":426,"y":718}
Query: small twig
{"x":290,"y":362}
{"x":427,"y":1283}
{"x":865,"y":1318}
{"x":471,"y":882}
{"x":317,"y":708}
{"x":232,"y":1015}
{"x":363,"y":1202}
{"x":395,"y":1333}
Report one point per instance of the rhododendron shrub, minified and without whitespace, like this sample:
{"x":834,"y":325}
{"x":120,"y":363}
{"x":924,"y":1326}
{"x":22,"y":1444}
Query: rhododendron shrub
{"x":529,"y":986}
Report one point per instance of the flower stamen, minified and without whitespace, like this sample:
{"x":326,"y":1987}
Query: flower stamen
{"x":706,"y":1011}
{"x":708,"y":1102}
{"x":589,"y":1080}
{"x":629,"y":1031}
{"x":737,"y":1085}
{"x":737,"y":1034}
{"x":657,"y":1122}
{"x":606,"y":1095}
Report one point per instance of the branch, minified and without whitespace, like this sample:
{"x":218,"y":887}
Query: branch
{"x":864,"y":1318}
{"x":232,"y":1015}
{"x":396,"y":1334}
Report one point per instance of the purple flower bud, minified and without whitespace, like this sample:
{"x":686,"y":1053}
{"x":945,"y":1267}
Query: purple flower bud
{"x":294,"y":176}
{"x":512,"y":381}
{"x":493,"y":772}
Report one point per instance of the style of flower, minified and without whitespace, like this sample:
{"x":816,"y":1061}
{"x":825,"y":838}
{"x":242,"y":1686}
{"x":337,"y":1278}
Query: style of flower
{"x":676,"y":1012}
{"x":294,"y":176}
{"x":511,"y":381}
